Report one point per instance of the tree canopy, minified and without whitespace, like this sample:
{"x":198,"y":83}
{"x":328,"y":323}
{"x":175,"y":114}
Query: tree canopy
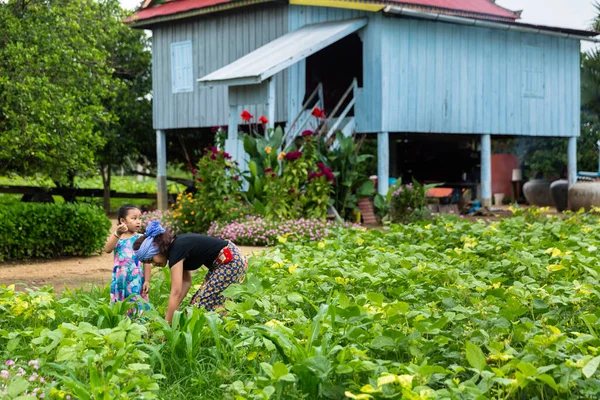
{"x":73,"y":78}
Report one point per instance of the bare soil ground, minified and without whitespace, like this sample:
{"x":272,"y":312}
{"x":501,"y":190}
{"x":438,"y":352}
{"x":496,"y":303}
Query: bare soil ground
{"x":68,"y":272}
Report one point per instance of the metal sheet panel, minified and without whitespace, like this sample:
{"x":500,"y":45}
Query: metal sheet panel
{"x":444,"y":78}
{"x":216,"y":41}
{"x":282,"y":52}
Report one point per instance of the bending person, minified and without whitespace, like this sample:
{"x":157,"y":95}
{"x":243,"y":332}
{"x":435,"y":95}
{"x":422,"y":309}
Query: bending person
{"x":185,"y":253}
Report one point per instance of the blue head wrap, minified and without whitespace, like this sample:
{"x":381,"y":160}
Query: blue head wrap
{"x":148,"y":249}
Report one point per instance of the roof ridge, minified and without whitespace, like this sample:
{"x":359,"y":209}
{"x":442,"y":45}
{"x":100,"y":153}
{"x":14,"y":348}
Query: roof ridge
{"x":516,"y":12}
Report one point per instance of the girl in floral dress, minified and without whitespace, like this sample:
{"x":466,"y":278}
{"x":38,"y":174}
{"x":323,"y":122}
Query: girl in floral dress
{"x":128,"y":278}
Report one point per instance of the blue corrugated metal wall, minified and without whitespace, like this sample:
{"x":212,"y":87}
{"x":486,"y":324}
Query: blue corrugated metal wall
{"x":217,"y":40}
{"x":444,"y":78}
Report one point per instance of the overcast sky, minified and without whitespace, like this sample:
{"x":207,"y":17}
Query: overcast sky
{"x":564,"y":13}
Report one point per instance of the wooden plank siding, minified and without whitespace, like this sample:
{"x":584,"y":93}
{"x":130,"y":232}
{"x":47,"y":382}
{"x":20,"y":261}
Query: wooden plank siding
{"x":444,"y":78}
{"x":217,"y":40}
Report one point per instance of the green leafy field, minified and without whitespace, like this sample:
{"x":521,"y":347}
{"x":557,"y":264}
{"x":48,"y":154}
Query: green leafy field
{"x":123,"y":184}
{"x":442,"y":310}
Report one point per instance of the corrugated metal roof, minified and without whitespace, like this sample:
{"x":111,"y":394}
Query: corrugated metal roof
{"x":484,"y":9}
{"x":173,"y":7}
{"x":279,"y":54}
{"x":469,"y":6}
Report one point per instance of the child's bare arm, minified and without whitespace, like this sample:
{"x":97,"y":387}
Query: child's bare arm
{"x":147,"y":275}
{"x":114,"y":237}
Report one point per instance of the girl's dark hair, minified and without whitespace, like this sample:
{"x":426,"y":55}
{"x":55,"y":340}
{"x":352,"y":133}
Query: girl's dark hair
{"x":162,"y":242}
{"x":124,"y":210}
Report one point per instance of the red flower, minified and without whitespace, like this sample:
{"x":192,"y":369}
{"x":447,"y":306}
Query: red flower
{"x":194,"y":171}
{"x":321,"y":166}
{"x":263,"y":120}
{"x":200,"y":180}
{"x":329,"y":174}
{"x":318,"y":113}
{"x":307,"y":133}
{"x":292,"y":191}
{"x":227,"y":155}
{"x":273,"y":175}
{"x":314,"y":175}
{"x":246,"y":116}
{"x":268,"y":170}
{"x":213,"y":157}
{"x":236,"y":178}
{"x":225,"y":198}
{"x":214,"y":150}
{"x":293,"y":155}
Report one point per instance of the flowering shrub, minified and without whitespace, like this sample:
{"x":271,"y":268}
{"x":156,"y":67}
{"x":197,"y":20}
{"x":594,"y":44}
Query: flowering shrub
{"x":24,"y":382}
{"x":407,"y":202}
{"x":258,"y":231}
{"x":165,"y":218}
{"x":218,"y":193}
{"x":287,"y":185}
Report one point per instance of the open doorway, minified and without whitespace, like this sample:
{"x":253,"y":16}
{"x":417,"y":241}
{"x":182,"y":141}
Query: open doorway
{"x":335,"y":66}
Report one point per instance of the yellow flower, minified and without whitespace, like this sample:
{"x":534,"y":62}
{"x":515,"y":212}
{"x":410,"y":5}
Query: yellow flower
{"x":268,"y":150}
{"x":292,"y":268}
{"x":341,"y":280}
{"x":193,"y":212}
{"x":186,"y":222}
{"x":281,"y":155}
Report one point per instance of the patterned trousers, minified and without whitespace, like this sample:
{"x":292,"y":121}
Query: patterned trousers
{"x":219,"y":278}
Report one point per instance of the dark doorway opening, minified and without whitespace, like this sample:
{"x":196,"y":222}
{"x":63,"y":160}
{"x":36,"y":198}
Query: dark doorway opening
{"x":428,"y":158}
{"x":335,"y":66}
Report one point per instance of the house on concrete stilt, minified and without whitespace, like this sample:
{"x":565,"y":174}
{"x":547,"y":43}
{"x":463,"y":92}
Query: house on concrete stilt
{"x":434,"y":80}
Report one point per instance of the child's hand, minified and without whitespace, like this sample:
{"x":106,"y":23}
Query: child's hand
{"x":145,"y":288}
{"x":122,"y":228}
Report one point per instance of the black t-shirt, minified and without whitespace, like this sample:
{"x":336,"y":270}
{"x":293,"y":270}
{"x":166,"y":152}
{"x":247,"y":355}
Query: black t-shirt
{"x":197,"y":250}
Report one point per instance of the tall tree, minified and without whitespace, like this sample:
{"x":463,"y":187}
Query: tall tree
{"x":131,"y":129}
{"x":54,"y":80}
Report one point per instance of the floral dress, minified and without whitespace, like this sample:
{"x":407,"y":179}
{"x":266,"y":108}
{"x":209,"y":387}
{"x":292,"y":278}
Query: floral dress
{"x":128,"y":275}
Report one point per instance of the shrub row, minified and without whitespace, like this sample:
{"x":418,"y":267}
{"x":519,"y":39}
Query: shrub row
{"x":50,"y":230}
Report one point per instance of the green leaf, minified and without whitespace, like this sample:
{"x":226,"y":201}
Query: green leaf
{"x":590,"y":368}
{"x":17,"y":386}
{"x":376,"y":298}
{"x":138,"y":367}
{"x":295,"y":298}
{"x":475,"y":357}
{"x":279,"y":370}
{"x":268,"y":369}
{"x":383,"y":342}
{"x":548,"y":380}
{"x":259,"y":207}
{"x":366,"y":189}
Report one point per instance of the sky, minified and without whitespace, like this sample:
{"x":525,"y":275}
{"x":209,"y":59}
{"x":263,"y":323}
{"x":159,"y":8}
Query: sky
{"x":563,"y":13}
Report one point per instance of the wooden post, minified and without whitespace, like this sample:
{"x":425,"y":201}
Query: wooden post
{"x":232,"y":129}
{"x":572,"y":159}
{"x":383,"y":162}
{"x":161,"y":174}
{"x":271,"y":102}
{"x":231,"y":143}
{"x":486,"y":170}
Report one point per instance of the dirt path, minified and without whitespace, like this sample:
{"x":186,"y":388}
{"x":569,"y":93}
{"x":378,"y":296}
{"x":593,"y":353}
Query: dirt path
{"x":67,"y":271}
